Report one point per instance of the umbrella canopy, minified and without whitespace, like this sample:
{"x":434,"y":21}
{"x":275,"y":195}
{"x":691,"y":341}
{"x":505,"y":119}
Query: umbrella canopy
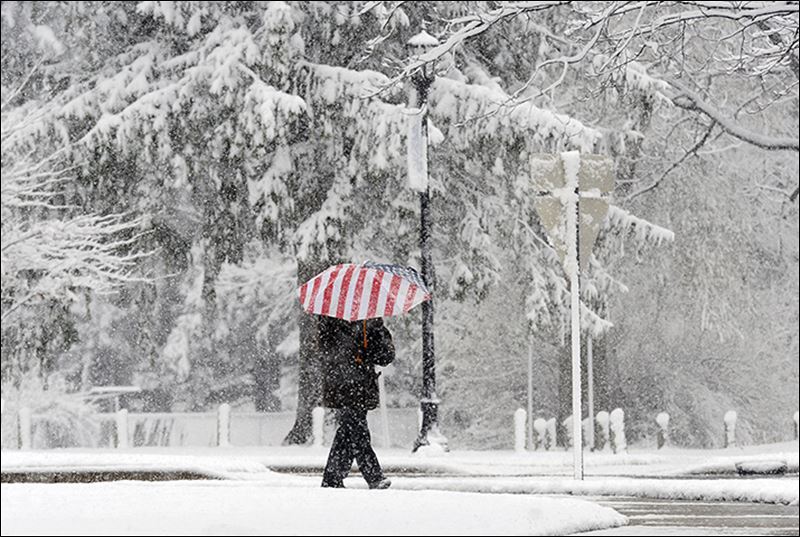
{"x":354,"y":292}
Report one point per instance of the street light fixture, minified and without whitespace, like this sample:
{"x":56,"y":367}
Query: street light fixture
{"x":422,"y":80}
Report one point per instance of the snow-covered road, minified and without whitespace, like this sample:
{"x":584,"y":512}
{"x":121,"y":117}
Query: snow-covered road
{"x":670,"y":517}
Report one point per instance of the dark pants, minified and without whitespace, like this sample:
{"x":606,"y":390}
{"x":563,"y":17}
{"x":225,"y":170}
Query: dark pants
{"x":352,"y":441}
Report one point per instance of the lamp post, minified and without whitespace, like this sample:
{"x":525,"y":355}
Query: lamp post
{"x":421,"y":81}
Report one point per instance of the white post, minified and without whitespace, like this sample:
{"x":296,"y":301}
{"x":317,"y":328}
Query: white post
{"x":602,"y":443}
{"x":663,"y":429}
{"x":617,"y":420}
{"x":224,"y":425}
{"x":573,"y":267}
{"x":122,"y":428}
{"x":541,"y":433}
{"x":25,"y":429}
{"x":730,"y":428}
{"x":387,"y":442}
{"x":317,"y":425}
{"x":590,"y":392}
{"x":530,"y":391}
{"x":519,"y":430}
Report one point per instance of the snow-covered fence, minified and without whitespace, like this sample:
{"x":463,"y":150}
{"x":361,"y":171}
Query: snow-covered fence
{"x":601,"y":437}
{"x":519,"y":429}
{"x":663,"y":429}
{"x":617,"y":427}
{"x":121,"y":419}
{"x":730,"y":428}
{"x":224,"y":425}
{"x":29,"y":430}
{"x":25,"y":428}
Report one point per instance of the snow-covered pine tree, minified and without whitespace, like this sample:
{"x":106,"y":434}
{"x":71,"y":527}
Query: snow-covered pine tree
{"x":220,"y":123}
{"x":224,"y":124}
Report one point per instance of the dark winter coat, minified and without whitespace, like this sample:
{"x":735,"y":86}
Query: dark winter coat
{"x":349,"y":376}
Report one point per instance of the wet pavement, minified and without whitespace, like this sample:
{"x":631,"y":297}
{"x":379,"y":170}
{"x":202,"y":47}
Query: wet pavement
{"x":682,"y":517}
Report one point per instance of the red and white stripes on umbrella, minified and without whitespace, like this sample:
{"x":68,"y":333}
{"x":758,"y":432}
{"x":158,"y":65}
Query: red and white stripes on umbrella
{"x":355,"y":292}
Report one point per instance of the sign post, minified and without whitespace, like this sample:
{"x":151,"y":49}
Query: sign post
{"x":571,"y":204}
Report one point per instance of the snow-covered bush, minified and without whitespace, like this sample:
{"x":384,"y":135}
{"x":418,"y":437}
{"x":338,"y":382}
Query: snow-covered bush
{"x":59,"y":418}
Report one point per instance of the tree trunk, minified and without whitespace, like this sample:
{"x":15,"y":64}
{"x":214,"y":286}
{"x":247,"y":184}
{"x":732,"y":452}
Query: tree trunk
{"x":309,"y":390}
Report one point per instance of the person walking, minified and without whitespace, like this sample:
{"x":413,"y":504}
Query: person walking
{"x":350,"y":351}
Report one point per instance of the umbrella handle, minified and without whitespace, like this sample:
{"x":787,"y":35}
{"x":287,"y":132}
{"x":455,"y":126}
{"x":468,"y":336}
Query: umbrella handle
{"x":359,"y":360}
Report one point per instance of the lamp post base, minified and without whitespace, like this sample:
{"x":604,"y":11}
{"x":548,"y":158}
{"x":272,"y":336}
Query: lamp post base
{"x":430,"y":437}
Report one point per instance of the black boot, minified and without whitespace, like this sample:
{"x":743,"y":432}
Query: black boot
{"x":384,"y":483}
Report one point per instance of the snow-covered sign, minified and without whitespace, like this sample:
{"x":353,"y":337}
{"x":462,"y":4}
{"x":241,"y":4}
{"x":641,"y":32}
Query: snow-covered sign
{"x":562,"y":182}
{"x":556,"y":177}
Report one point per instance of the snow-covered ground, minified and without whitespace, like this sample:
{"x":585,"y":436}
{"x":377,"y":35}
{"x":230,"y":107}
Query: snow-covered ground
{"x":452,"y":472}
{"x":641,"y":462}
{"x":640,"y":473}
{"x":750,"y":490}
{"x":249,"y":508}
{"x":444,"y":494}
{"x":219,"y":465}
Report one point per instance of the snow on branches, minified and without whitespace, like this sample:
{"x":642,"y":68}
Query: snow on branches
{"x":472,"y":110}
{"x":50,"y":249}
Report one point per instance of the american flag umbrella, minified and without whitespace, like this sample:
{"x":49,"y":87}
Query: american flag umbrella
{"x":354,"y":292}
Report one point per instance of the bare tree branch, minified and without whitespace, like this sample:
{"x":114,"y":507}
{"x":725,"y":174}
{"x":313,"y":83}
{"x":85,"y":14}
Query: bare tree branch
{"x":690,"y":100}
{"x":691,"y":151}
{"x":776,"y":40}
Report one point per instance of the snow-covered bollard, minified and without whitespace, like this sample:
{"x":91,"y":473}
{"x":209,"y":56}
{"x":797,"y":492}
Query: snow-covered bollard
{"x":567,"y":423}
{"x":224,"y":425}
{"x":663,"y":429}
{"x":540,"y":433}
{"x":796,"y":424}
{"x":617,"y":427}
{"x":25,"y":428}
{"x":519,"y":429}
{"x":318,"y":425}
{"x":601,"y":437}
{"x":550,"y":437}
{"x":730,"y":428}
{"x":121,"y":419}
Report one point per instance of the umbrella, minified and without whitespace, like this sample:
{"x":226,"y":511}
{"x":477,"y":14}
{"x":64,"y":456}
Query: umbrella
{"x":354,"y":292}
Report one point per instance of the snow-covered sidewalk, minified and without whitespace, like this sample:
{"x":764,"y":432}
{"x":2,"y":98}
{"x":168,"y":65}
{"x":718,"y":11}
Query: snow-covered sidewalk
{"x":248,"y":508}
{"x":783,"y":491}
{"x":644,"y":474}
